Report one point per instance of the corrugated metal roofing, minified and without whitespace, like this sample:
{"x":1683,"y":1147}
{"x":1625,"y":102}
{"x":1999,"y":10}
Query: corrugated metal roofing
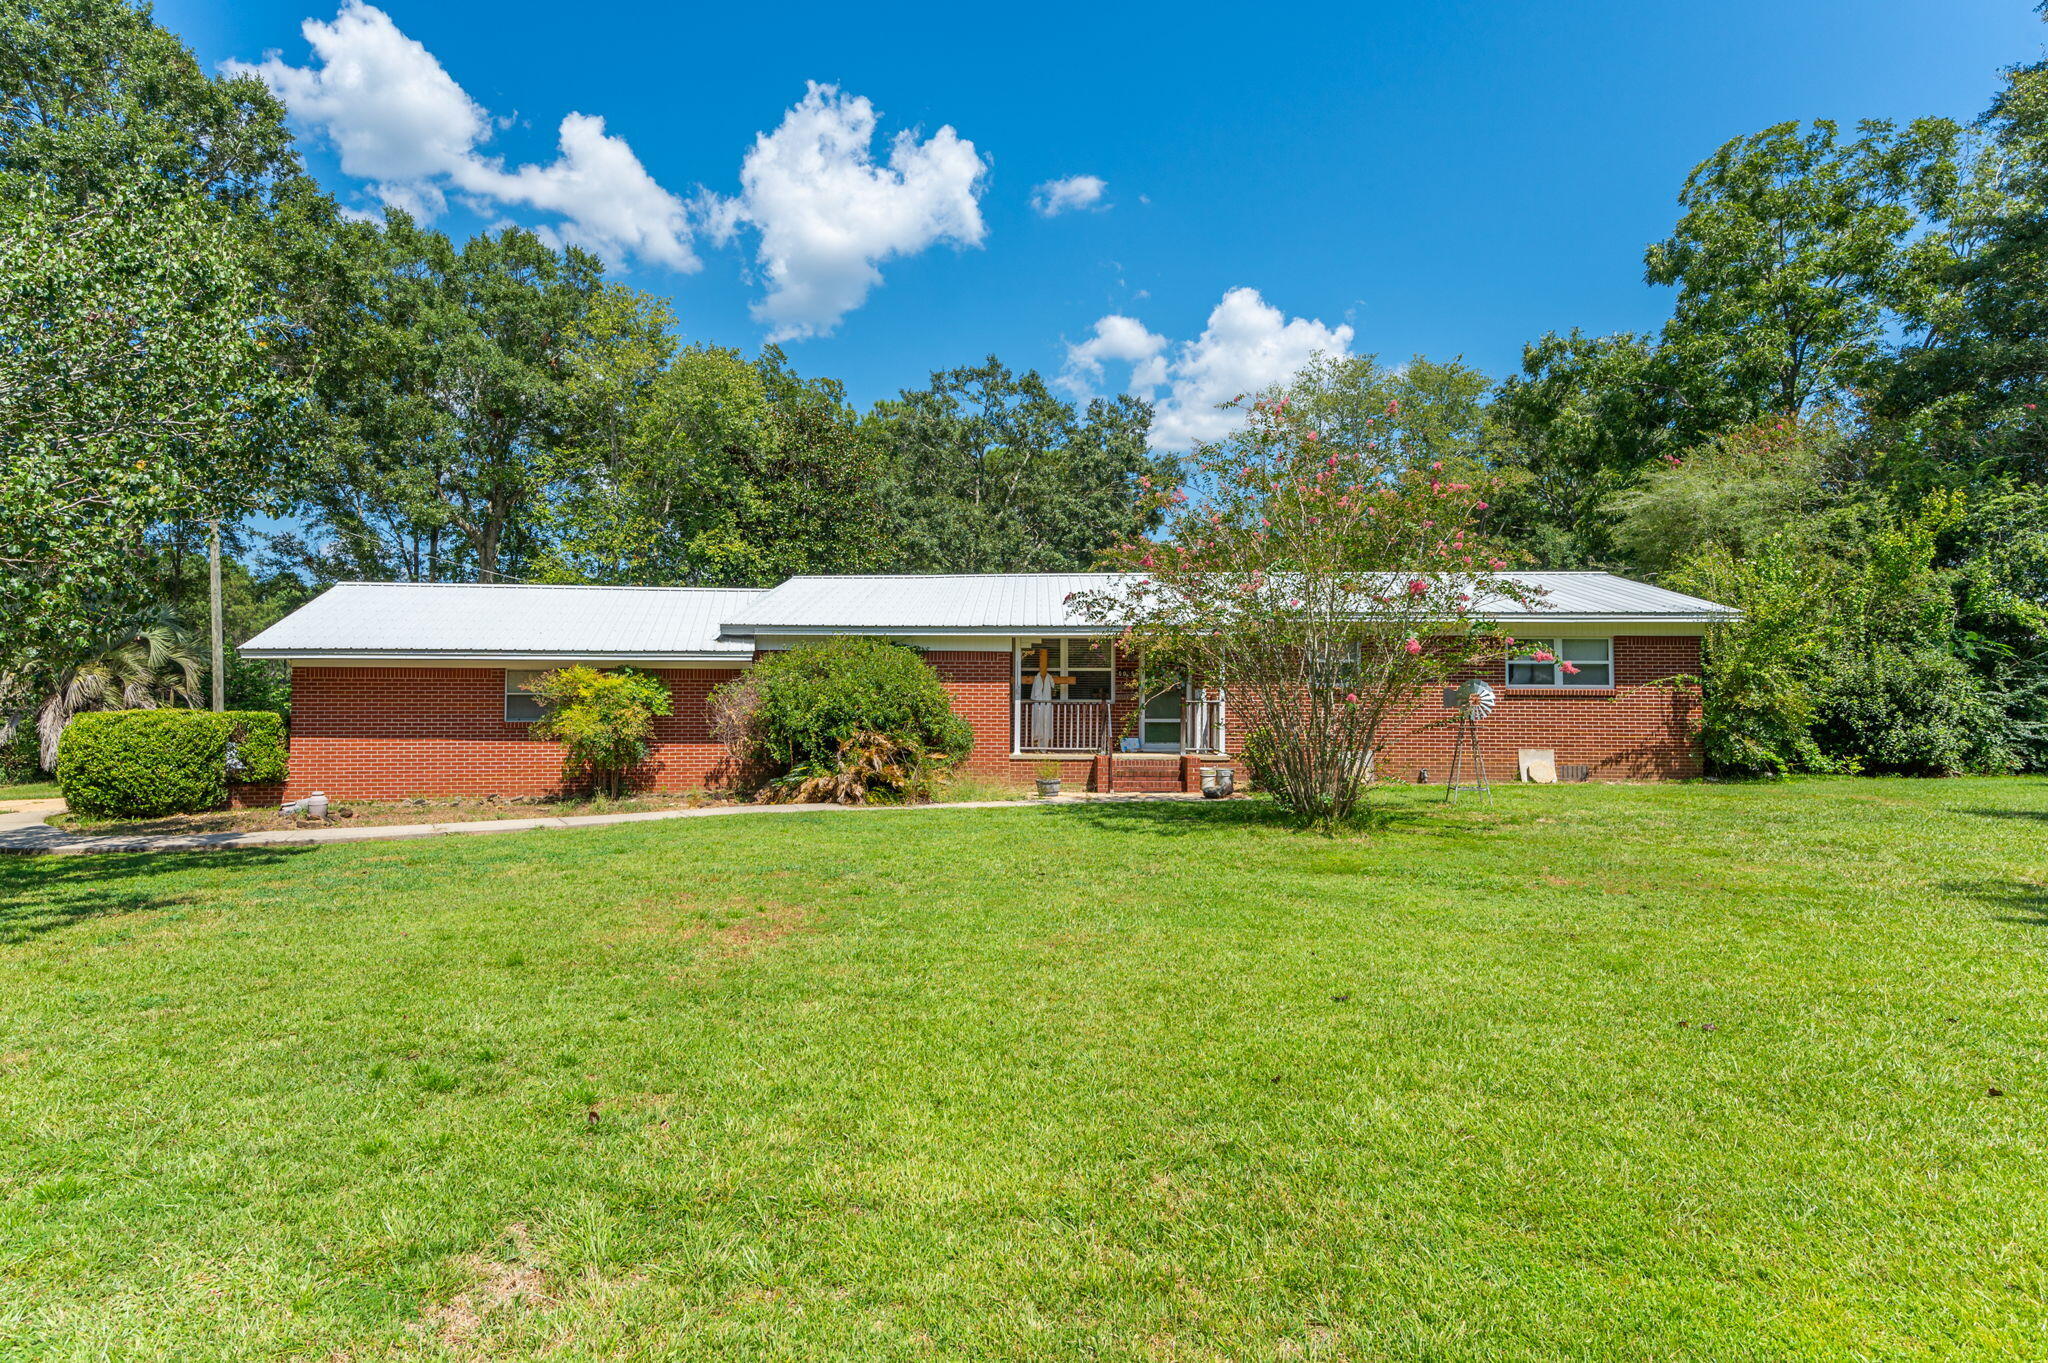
{"x":996,"y":602}
{"x":453,"y":620}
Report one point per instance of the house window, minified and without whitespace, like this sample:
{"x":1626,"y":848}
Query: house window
{"x":1086,"y":663}
{"x":521,"y":706}
{"x":1591,"y":663}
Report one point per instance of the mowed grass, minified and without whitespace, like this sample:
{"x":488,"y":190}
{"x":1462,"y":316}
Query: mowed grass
{"x":1684,"y":1072}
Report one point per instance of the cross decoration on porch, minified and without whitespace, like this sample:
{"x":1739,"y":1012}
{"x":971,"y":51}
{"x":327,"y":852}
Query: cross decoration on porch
{"x":1041,"y":695}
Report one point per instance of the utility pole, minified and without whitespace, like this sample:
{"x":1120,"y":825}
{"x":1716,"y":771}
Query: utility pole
{"x":220,"y":681}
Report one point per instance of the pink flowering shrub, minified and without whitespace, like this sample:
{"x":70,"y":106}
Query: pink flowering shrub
{"x":1328,"y":582}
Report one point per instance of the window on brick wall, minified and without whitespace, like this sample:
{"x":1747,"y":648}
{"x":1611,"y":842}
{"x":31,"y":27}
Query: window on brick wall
{"x":1087,"y":661}
{"x":1562,"y":662}
{"x":520,"y":705}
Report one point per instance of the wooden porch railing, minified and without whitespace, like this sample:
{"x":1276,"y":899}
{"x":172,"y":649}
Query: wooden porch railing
{"x":1063,"y":726}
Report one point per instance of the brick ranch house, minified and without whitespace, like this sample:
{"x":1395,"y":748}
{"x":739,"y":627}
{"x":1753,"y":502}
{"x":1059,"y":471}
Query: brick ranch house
{"x":404,"y":689}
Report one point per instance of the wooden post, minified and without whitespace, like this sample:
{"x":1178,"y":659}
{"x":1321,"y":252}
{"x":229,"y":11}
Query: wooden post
{"x":1109,"y":745}
{"x":220,"y":681}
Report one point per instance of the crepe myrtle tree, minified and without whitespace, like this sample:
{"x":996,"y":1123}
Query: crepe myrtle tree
{"x":1327,"y":587}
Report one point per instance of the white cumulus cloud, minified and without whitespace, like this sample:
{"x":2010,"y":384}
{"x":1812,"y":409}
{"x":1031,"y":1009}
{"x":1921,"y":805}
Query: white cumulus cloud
{"x":1055,"y":197}
{"x":1246,"y":345}
{"x":398,"y":120}
{"x":1121,"y":339}
{"x":828,"y":213}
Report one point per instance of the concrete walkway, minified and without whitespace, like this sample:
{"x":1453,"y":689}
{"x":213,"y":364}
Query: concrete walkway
{"x":23,"y":829}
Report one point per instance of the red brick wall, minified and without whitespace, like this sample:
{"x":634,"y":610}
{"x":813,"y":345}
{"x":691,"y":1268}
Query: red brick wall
{"x":390,"y":732}
{"x":1634,"y":730}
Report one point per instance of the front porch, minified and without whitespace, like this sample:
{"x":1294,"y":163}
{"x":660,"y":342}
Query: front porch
{"x":1171,"y":725}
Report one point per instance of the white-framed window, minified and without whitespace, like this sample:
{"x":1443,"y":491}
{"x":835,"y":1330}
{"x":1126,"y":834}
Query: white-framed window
{"x":521,"y":707}
{"x":1341,"y":670}
{"x":1562,"y":662}
{"x":1087,"y":663}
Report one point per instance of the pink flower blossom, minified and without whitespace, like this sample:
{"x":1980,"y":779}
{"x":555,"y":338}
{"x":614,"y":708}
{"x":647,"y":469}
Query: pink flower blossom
{"x":1496,"y":563}
{"x":1568,"y":669}
{"x":1544,"y":655}
{"x":1416,"y":586}
{"x":1412,"y":647}
{"x":1479,"y":506}
{"x":1351,"y":699}
{"x":1311,"y":436}
{"x":1147,"y":562}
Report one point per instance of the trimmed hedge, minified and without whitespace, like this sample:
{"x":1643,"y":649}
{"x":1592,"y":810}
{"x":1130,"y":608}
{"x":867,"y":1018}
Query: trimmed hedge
{"x":256,"y":751}
{"x":142,"y":763}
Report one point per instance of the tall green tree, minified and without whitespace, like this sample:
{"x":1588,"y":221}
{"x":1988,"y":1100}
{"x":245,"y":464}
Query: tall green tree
{"x":1430,"y":409}
{"x":1582,"y":422}
{"x":135,"y":388}
{"x":1792,"y":259}
{"x":1971,"y":383}
{"x":988,"y":471}
{"x":696,"y":465}
{"x":443,"y":393}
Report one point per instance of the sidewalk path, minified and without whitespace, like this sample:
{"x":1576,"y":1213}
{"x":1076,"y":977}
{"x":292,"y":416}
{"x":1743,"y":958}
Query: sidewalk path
{"x":23,"y":830}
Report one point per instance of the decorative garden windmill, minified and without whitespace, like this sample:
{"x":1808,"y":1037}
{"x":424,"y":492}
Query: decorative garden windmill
{"x":1473,"y":701}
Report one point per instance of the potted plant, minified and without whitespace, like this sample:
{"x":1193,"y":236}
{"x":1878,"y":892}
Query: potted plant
{"x":1048,"y":774}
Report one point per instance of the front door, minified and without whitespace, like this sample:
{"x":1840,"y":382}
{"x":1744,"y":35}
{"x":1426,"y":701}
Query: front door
{"x":1159,"y":730}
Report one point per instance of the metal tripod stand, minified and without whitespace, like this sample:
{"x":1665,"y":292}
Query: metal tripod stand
{"x":1468,"y":768}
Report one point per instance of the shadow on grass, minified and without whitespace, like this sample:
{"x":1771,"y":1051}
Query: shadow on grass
{"x":2025,"y":902}
{"x":2037,"y":815}
{"x":46,"y":894}
{"x":1186,"y":818}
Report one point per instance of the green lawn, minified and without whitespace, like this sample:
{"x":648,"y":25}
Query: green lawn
{"x":34,"y":790}
{"x":1689,"y":1072}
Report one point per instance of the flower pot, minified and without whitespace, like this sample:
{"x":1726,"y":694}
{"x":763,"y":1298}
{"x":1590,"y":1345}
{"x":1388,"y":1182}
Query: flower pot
{"x":1048,"y":789}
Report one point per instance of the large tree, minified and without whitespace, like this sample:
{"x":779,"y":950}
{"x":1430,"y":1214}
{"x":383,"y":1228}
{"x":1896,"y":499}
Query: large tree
{"x":443,"y":393}
{"x":1971,"y":383}
{"x":1792,"y":259}
{"x":696,"y":465}
{"x":1581,"y":422}
{"x":135,"y":388}
{"x":989,"y":471}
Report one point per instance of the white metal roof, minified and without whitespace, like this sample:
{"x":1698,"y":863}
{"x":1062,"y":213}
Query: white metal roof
{"x":396,"y":620}
{"x":1003,"y":603}
{"x":479,"y":621}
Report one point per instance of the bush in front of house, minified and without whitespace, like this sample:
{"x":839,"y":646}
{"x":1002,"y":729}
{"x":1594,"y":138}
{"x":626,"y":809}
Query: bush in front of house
{"x":603,"y":720}
{"x":143,"y":763}
{"x":256,"y":747}
{"x":864,"y":716}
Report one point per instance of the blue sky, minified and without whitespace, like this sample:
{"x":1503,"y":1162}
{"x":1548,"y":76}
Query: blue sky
{"x":1443,"y":178}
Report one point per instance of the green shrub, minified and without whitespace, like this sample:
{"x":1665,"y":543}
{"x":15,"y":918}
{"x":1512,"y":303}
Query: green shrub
{"x":603,"y":720}
{"x":256,"y":755}
{"x":142,"y":763}
{"x":21,"y":758}
{"x":1916,"y":714}
{"x":807,"y":712}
